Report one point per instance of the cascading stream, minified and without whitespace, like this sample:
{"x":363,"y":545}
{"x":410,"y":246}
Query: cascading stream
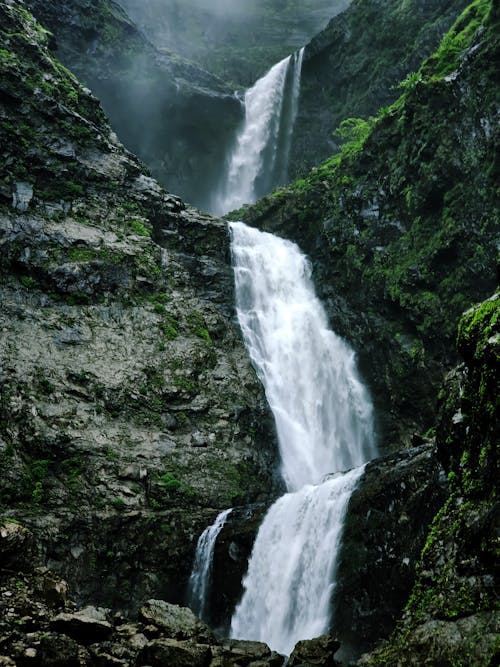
{"x":324,"y":421}
{"x":259,"y":158}
{"x":200,"y":579}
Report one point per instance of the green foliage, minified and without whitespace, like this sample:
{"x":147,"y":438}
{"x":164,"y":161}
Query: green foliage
{"x":171,"y":485}
{"x":170,"y":327}
{"x":28,"y":282}
{"x":137,"y":226}
{"x":35,"y":475}
{"x":458,"y":39}
{"x":352,"y":133}
{"x":197,"y":325}
{"x":119,"y":504}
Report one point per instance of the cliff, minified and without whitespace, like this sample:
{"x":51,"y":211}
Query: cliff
{"x":130,"y":413}
{"x":165,"y":109}
{"x":354,"y":66}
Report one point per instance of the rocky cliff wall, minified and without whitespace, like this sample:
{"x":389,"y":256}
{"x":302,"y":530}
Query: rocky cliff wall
{"x":452,"y":616}
{"x":130,"y":414}
{"x":165,"y":109}
{"x":355,"y":65}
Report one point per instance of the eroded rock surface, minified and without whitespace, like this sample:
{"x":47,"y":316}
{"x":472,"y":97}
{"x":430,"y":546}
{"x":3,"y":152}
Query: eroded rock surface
{"x":130,"y":414}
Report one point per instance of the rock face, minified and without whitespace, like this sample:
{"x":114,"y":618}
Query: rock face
{"x":452,"y":615}
{"x":400,"y":226}
{"x":357,"y":62}
{"x":386,"y":525}
{"x":165,"y":109}
{"x":130,"y":414}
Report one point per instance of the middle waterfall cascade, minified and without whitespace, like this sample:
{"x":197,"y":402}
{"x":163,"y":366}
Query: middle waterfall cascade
{"x":324,"y":421}
{"x":199,"y":581}
{"x":259,"y":158}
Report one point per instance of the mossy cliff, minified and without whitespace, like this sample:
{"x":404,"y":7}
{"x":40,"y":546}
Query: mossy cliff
{"x":401,"y":226}
{"x":354,"y":65}
{"x":130,"y":414}
{"x":452,"y":616}
{"x":165,"y":109}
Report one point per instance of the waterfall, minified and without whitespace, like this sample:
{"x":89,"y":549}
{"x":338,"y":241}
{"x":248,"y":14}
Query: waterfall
{"x":259,"y":158}
{"x":293,"y":111}
{"x":200,"y":579}
{"x":324,"y":422}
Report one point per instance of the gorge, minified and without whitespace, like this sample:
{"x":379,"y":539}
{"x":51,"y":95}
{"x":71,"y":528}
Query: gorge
{"x":135,"y":408}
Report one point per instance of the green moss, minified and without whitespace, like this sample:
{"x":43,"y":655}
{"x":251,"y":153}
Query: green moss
{"x":28,"y":282}
{"x":137,"y":226}
{"x":458,"y":40}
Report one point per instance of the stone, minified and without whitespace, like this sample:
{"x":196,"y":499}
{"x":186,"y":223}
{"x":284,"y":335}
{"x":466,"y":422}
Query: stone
{"x":163,"y":652}
{"x":176,"y":622}
{"x":312,"y":652}
{"x":59,"y":650}
{"x":15,"y":544}
{"x":88,"y":625}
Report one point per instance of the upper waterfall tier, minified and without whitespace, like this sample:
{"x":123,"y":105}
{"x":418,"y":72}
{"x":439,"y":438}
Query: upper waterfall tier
{"x":259,"y":158}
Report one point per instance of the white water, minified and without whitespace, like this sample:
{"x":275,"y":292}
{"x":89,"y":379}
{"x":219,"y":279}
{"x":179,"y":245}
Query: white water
{"x":200,"y":579}
{"x":260,"y":154}
{"x":322,"y":411}
{"x":298,"y":59}
{"x":323,"y":417}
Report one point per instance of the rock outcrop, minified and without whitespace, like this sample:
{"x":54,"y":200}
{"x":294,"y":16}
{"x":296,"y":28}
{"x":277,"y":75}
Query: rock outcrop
{"x":130,"y":414}
{"x":165,"y":109}
{"x":41,"y":627}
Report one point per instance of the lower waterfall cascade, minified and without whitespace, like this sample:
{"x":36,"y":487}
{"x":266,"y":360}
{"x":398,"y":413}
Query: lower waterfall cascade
{"x":200,"y":579}
{"x":324,"y":421}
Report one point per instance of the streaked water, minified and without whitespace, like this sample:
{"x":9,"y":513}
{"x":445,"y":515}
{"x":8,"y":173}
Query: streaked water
{"x":200,"y":579}
{"x":259,"y":158}
{"x":324,"y":421}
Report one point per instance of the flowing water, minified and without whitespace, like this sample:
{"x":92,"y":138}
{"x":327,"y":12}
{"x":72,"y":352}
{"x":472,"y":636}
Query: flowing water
{"x":200,"y":579}
{"x":323,"y":416}
{"x":259,"y":158}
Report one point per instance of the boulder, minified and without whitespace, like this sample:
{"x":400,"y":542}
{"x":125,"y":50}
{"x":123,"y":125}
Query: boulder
{"x":244,"y":653}
{"x":162,"y":652}
{"x":59,"y":650}
{"x":87,"y":626}
{"x":176,"y":622}
{"x":317,"y":651}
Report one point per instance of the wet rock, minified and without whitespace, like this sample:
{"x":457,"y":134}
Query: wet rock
{"x":385,"y":529}
{"x":161,"y":652}
{"x":86,"y":626}
{"x":176,"y":622}
{"x":311,"y":652}
{"x":59,"y":650}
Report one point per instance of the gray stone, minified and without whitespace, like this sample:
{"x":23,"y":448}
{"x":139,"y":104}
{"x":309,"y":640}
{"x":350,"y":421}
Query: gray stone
{"x":174,"y":621}
{"x":88,"y":625}
{"x":165,"y":652}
